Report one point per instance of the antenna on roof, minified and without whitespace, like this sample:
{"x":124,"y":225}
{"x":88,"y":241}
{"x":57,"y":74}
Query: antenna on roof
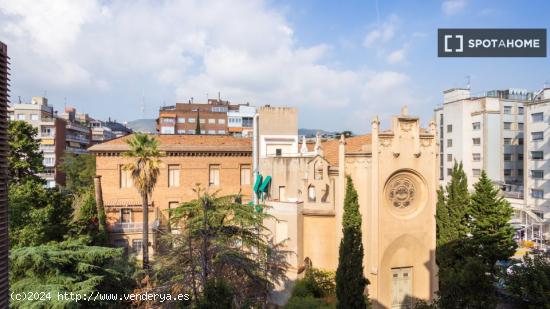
{"x":19,"y":99}
{"x":468,"y":80}
{"x":219,"y":97}
{"x":207,"y":97}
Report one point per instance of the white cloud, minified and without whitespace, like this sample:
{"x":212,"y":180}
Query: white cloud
{"x":243,"y":49}
{"x":452,"y":7}
{"x":397,"y":56}
{"x":382,"y":33}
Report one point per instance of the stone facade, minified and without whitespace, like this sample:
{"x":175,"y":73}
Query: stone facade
{"x":396,"y":176}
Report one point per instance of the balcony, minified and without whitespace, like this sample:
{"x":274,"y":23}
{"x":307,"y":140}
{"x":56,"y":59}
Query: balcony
{"x":76,"y":150}
{"x":129,"y":227}
{"x":47,"y":148}
{"x":76,"y":138}
{"x":513,"y":194}
{"x":77,"y":127}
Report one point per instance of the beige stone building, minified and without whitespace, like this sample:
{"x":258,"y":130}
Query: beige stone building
{"x":216,"y":163}
{"x":396,"y":176}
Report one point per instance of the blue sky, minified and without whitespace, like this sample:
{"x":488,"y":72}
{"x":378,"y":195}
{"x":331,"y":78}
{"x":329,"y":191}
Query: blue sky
{"x":339,"y":63}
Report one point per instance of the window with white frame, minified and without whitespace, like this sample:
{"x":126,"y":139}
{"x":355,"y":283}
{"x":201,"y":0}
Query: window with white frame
{"x":476,"y":157}
{"x":537,"y":193}
{"x":507,"y":109}
{"x":507,"y":157}
{"x":181,"y":120}
{"x":537,"y":117}
{"x":21,"y":117}
{"x":476,"y":172}
{"x":173,"y":175}
{"x":537,"y":155}
{"x":476,"y":126}
{"x":507,"y":126}
{"x":214,"y":175}
{"x":507,"y":141}
{"x":245,"y":174}
{"x":221,"y":121}
{"x":476,"y":141}
{"x":125,"y":177}
{"x":211,"y":121}
{"x":537,"y":174}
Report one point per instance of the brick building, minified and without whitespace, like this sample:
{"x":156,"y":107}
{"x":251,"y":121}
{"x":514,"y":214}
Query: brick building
{"x":221,"y":163}
{"x":217,"y":117}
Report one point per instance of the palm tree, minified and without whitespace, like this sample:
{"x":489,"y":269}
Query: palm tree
{"x":145,"y":171}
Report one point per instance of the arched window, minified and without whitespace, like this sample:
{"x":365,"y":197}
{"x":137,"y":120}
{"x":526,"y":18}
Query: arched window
{"x":311,"y":193}
{"x":326,"y":192}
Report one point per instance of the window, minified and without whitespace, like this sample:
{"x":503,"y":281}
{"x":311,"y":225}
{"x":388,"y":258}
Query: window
{"x":537,"y":174}
{"x":202,"y":120}
{"x":520,"y":156}
{"x":507,"y":126}
{"x":166,"y":130}
{"x":245,"y":175}
{"x":190,"y":131}
{"x":537,"y":136}
{"x":221,"y":131}
{"x":507,"y":109}
{"x":247,"y":122}
{"x":476,"y":141}
{"x":311,"y":194}
{"x":211,"y":131}
{"x":507,"y":141}
{"x":282,"y":193}
{"x":449,"y":128}
{"x":181,"y":120}
{"x":34,"y":117}
{"x":520,"y":126}
{"x":181,"y":131}
{"x":537,"y":193}
{"x":173,"y":176}
{"x":476,"y":172}
{"x":507,"y":172}
{"x":449,"y":157}
{"x":211,"y":120}
{"x":49,"y":161}
{"x":476,"y":157}
{"x":125,"y":215}
{"x":221,"y":121}
{"x":192,"y":120}
{"x":214,"y":179}
{"x":137,"y":246}
{"x":168,"y":120}
{"x":520,"y":172}
{"x":20,"y":117}
{"x":125,"y":178}
{"x":449,"y":171}
{"x":537,"y":155}
{"x":537,"y":117}
{"x":476,"y":125}
{"x":520,"y":141}
{"x":449,"y":143}
{"x":520,"y":110}
{"x":507,"y":157}
{"x":278,"y":152}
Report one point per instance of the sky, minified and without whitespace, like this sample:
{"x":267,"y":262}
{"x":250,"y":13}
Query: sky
{"x":341,"y":63}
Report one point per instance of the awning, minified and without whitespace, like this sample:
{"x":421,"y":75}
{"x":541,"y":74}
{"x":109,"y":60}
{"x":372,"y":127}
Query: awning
{"x":265,"y":184}
{"x":257,"y":185}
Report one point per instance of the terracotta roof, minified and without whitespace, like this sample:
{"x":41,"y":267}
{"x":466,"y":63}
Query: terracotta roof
{"x":353,"y":145}
{"x":180,"y":142}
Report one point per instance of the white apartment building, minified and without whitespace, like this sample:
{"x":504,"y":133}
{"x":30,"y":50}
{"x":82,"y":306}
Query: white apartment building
{"x":485,"y":133}
{"x":239,"y":122}
{"x":535,"y":216}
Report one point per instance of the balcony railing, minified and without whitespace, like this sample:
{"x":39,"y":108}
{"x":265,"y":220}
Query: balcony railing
{"x":513,"y":194}
{"x":129,"y":227}
{"x":77,"y":138}
{"x":75,"y":150}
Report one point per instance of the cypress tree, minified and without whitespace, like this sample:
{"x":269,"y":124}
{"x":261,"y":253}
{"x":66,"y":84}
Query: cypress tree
{"x":198,"y":127}
{"x":350,"y":281}
{"x":493,"y":236}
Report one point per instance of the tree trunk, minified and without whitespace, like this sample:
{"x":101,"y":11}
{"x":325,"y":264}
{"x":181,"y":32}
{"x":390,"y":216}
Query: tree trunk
{"x":204,"y":252}
{"x":145,"y":238}
{"x":99,"y":203}
{"x":192,"y":261}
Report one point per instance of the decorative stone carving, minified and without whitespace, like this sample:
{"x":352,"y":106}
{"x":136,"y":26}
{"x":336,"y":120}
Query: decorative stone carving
{"x":401,"y":192}
{"x":385,"y":142}
{"x":425,"y":142}
{"x":406,"y":125}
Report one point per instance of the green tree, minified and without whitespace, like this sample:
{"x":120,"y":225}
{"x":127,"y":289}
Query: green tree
{"x":69,"y":266}
{"x":350,"y":281}
{"x":492,"y":234}
{"x":528,"y":284}
{"x":25,"y":159}
{"x":217,"y":294}
{"x":145,"y":170}
{"x":86,"y":219}
{"x":37,"y":214}
{"x":79,"y":170}
{"x":219,"y":238}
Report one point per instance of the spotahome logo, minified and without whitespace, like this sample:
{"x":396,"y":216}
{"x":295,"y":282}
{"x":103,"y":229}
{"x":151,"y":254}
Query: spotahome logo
{"x":491,"y":42}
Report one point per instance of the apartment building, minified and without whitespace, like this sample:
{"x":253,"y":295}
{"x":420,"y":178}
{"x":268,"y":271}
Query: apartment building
{"x":51,"y":133}
{"x":78,"y":133}
{"x":4,"y":236}
{"x":535,"y":216}
{"x":103,"y":131}
{"x":483,"y":132}
{"x":215,"y":162}
{"x":211,"y":118}
{"x":58,"y":134}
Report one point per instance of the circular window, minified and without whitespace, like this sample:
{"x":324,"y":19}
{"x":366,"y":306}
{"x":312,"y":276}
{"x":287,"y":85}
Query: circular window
{"x":401,"y":193}
{"x":404,"y":192}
